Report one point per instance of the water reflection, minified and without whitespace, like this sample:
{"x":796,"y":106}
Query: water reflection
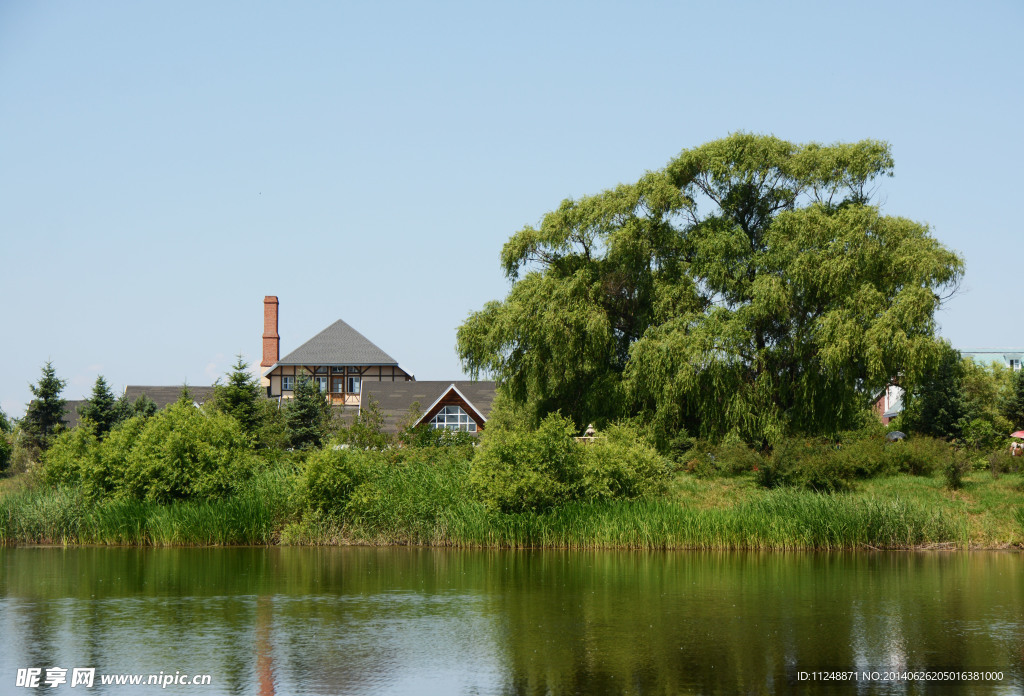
{"x":361,"y":620}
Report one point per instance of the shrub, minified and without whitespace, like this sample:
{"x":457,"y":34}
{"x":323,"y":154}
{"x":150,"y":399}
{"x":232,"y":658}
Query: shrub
{"x":518,"y":470}
{"x":958,"y":464}
{"x":807,"y":463}
{"x":919,"y":455}
{"x":622,"y":465}
{"x":426,"y":436}
{"x":528,"y":470}
{"x":330,"y":475}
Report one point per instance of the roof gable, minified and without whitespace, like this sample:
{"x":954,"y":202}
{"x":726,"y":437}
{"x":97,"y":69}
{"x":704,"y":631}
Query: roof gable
{"x":338,"y":344}
{"x":450,"y":396}
{"x":395,"y":399}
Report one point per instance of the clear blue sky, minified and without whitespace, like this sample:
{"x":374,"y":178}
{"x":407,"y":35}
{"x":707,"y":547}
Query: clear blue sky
{"x":163,"y":166}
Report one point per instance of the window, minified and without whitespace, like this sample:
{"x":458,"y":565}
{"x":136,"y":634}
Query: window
{"x":1014,"y":364}
{"x":453,"y":418}
{"x":321,"y":382}
{"x":287,"y":382}
{"x":338,"y":385}
{"x":337,"y":370}
{"x":320,"y":370}
{"x":353,"y":385}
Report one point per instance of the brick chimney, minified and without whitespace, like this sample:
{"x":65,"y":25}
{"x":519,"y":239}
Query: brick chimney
{"x":271,"y":341}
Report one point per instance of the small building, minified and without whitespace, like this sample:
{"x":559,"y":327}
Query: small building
{"x":339,"y":359}
{"x":459,"y":405}
{"x":1006,"y":357}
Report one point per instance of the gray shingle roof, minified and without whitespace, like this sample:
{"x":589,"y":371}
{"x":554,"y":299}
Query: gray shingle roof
{"x":338,"y":344}
{"x":162,"y":396}
{"x":396,"y":398}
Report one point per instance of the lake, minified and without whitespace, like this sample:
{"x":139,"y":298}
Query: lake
{"x":436,"y":621}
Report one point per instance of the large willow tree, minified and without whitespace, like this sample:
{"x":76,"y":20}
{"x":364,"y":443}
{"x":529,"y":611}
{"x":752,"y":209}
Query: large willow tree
{"x":750,"y":286}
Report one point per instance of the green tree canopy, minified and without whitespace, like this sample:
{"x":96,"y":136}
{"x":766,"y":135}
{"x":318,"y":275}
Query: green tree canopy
{"x":101,"y":408}
{"x":45,"y":414}
{"x":749,"y":286}
{"x":936,"y":404}
{"x":240,"y":397}
{"x":1015,"y":403}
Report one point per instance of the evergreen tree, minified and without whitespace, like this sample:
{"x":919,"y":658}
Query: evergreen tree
{"x":307,"y":415}
{"x":144,"y":406}
{"x":240,"y":397}
{"x":5,"y":423}
{"x":1015,"y":406}
{"x":101,"y":408}
{"x":45,"y":414}
{"x":125,"y":409}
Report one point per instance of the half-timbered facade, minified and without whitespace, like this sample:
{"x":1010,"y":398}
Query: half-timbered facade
{"x":339,"y":359}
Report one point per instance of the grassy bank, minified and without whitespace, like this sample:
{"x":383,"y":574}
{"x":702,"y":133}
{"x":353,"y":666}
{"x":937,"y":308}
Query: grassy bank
{"x":419,"y":503}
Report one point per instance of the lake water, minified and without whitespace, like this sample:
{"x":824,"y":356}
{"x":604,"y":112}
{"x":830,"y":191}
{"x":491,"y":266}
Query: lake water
{"x":434,"y":621}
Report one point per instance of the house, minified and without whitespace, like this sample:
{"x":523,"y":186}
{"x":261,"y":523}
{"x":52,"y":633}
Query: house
{"x":455,"y":405}
{"x":888,"y":403}
{"x":1007,"y":358}
{"x":339,"y":359}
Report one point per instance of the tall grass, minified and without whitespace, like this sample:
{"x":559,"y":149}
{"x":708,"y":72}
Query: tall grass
{"x":420,"y":502}
{"x":779,"y":520}
{"x":63,"y":516}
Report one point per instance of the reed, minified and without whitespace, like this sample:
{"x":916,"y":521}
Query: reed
{"x":424,"y":503}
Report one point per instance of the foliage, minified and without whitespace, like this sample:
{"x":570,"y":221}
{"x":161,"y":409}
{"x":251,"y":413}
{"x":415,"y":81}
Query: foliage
{"x":955,"y":468}
{"x":240,"y":397}
{"x":45,"y":415}
{"x":101,"y":408}
{"x":6,"y":427}
{"x":748,"y":286}
{"x":367,"y":429}
{"x":936,"y":405}
{"x":125,"y":409}
{"x":1014,"y":409}
{"x":830,"y":465}
{"x":180,"y":453}
{"x":330,"y":475}
{"x":536,"y":470}
{"x":424,"y":435}
{"x":307,"y":415}
{"x":6,"y":451}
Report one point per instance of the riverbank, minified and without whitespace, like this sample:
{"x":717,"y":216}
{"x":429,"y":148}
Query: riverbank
{"x":431,"y":505}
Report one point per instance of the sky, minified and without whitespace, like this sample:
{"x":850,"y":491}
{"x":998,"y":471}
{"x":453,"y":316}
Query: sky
{"x":164,"y":166}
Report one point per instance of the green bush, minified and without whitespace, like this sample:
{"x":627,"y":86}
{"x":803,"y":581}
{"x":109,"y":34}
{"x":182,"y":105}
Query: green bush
{"x":918,"y":455}
{"x":426,"y":436}
{"x":956,"y":466}
{"x":620,"y":464}
{"x":180,"y":453}
{"x":517,"y":471}
{"x":529,"y":470}
{"x":730,"y":458}
{"x":331,"y":474}
{"x":808,"y":463}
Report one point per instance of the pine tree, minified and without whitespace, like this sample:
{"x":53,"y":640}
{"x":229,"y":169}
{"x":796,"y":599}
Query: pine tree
{"x":45,"y":414}
{"x":240,"y":397}
{"x":101,"y":408}
{"x":307,"y":415}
